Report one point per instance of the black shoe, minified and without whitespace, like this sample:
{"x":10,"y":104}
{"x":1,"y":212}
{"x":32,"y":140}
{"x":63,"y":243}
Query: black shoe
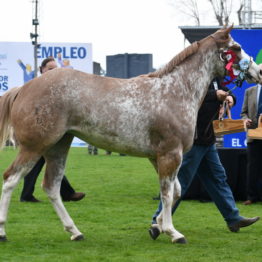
{"x":32,"y":199}
{"x":154,"y":232}
{"x":75,"y":197}
{"x":245,"y":222}
{"x":248,"y":202}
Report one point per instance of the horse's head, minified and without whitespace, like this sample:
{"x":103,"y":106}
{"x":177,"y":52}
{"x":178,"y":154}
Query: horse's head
{"x":237,"y":63}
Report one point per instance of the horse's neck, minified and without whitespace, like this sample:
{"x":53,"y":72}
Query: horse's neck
{"x":195,"y":76}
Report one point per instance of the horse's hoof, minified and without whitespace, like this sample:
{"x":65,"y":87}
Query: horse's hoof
{"x":154,"y":232}
{"x":3,"y":238}
{"x":77,"y":238}
{"x":181,"y":240}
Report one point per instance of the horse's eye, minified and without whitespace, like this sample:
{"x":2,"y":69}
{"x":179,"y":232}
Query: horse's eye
{"x":248,"y":75}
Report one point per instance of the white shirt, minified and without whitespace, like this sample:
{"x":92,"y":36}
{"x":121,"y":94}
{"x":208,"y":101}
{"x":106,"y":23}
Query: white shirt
{"x":258,"y":92}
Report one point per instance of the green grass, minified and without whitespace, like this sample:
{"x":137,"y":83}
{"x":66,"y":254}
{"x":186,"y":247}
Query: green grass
{"x":115,"y":216}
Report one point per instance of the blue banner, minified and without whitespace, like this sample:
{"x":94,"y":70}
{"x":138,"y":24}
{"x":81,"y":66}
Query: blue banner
{"x":250,"y":40}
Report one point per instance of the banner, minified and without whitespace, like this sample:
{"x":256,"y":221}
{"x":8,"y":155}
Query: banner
{"x":17,"y":62}
{"x":250,"y":40}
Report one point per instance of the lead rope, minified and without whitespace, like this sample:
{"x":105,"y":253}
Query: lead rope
{"x":226,"y":112}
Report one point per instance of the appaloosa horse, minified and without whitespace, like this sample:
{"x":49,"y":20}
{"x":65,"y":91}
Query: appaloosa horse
{"x":151,"y":116}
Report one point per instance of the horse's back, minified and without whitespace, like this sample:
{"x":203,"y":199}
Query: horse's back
{"x":116,"y":114}
{"x":65,"y":100}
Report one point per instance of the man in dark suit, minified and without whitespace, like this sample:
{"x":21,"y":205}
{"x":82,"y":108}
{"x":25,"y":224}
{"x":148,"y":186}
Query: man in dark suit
{"x":251,"y":110}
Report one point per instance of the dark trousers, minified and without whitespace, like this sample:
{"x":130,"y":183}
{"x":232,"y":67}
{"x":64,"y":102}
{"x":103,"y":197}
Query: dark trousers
{"x":254,"y":170}
{"x":204,"y":161}
{"x":30,"y":179}
{"x":92,"y":150}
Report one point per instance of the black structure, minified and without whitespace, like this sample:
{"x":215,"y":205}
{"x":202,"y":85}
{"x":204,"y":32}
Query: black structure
{"x":196,"y":33}
{"x":128,"y":65}
{"x":96,"y":68}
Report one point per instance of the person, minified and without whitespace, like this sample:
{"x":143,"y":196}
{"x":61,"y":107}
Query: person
{"x":251,"y":109}
{"x":92,"y":150}
{"x":66,"y":191}
{"x":28,"y":73}
{"x":203,"y":160}
{"x":109,"y":153}
{"x":63,"y":63}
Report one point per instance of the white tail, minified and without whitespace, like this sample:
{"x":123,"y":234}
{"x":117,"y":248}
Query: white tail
{"x":6,"y":103}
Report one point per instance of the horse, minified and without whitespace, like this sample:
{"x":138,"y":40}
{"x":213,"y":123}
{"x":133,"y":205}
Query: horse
{"x":151,"y":116}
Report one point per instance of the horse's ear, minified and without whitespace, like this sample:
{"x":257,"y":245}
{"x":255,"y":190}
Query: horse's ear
{"x":228,"y":30}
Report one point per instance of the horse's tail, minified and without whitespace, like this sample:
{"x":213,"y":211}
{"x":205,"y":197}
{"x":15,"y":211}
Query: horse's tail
{"x":6,"y":103}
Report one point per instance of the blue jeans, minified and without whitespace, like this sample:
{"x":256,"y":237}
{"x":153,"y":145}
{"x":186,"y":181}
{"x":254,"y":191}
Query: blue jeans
{"x":204,"y":161}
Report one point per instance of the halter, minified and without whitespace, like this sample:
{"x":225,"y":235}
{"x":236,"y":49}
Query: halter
{"x":244,"y":65}
{"x":237,"y":72}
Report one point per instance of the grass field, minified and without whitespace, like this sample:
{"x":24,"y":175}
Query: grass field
{"x":115,"y":216}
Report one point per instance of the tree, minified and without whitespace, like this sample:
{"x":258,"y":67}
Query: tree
{"x":239,"y":12}
{"x":222,"y":9}
{"x":190,"y":8}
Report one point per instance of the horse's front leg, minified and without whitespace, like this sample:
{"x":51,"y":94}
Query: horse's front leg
{"x":51,"y":185}
{"x":55,"y":166}
{"x":168,"y":166}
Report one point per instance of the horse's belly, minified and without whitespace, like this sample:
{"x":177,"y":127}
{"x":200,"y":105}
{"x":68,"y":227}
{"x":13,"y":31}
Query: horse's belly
{"x":111,"y":141}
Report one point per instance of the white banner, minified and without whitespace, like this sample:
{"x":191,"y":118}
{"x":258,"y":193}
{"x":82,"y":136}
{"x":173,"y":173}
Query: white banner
{"x":17,"y":62}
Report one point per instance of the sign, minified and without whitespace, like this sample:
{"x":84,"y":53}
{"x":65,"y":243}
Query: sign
{"x":250,"y":40}
{"x":17,"y":62}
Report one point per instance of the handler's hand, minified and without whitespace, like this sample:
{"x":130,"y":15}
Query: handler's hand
{"x":230,"y":101}
{"x":247,"y":122}
{"x":221,"y":95}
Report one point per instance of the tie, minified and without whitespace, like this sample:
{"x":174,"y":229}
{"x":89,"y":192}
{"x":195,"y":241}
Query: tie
{"x":259,"y":107}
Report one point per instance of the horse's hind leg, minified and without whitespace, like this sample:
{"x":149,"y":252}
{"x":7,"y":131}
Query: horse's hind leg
{"x":55,"y":166}
{"x":23,"y":163}
{"x":168,"y":165}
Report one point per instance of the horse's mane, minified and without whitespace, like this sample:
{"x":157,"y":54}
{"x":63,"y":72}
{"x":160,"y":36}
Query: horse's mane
{"x":221,"y":37}
{"x":178,"y":59}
